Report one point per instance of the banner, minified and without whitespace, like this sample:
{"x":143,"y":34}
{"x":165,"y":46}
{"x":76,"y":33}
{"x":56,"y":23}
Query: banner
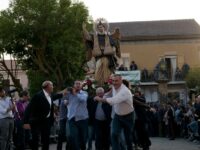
{"x":131,"y":76}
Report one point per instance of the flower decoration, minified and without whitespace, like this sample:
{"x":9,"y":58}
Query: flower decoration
{"x":90,"y":85}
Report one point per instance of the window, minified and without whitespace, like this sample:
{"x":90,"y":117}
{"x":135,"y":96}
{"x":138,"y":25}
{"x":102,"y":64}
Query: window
{"x":125,"y":59}
{"x":171,"y":64}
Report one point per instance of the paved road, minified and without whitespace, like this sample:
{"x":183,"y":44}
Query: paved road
{"x":165,"y":144}
{"x":178,"y":144}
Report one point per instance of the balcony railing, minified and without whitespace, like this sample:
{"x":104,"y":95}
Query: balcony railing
{"x":159,"y":75}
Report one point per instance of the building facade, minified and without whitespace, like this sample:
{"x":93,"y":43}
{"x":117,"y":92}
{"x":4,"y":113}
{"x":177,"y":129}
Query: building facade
{"x":177,"y":42}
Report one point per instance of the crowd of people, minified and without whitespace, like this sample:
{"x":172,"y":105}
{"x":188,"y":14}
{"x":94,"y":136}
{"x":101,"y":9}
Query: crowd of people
{"x":177,"y":120}
{"x":133,"y":67}
{"x":155,"y":74}
{"x":112,"y":118}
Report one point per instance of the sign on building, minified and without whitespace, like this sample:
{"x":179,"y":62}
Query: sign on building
{"x":132,"y":76}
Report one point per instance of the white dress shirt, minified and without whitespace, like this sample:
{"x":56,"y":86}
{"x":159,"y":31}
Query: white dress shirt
{"x":122,"y":100}
{"x":48,"y":97}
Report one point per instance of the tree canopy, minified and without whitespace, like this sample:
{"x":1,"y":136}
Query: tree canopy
{"x":193,"y":80}
{"x":46,"y":37}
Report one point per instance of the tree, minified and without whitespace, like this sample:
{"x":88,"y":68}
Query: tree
{"x":193,"y":80}
{"x":9,"y":70}
{"x":45,"y":36}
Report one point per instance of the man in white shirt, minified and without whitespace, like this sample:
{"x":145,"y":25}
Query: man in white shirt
{"x":122,"y":103}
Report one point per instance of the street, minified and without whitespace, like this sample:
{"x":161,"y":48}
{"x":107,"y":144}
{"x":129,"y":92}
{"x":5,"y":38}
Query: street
{"x":164,"y":144}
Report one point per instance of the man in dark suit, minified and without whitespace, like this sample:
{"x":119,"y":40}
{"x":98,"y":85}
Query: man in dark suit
{"x":39,"y":115}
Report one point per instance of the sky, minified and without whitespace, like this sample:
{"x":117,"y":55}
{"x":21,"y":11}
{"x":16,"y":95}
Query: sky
{"x":139,"y":10}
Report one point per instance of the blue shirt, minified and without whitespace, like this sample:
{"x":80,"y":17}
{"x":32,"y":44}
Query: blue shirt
{"x":77,"y":106}
{"x":5,"y":103}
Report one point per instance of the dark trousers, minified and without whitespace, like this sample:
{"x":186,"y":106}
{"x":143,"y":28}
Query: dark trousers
{"x":62,"y":134}
{"x":122,"y":122}
{"x":102,"y":135}
{"x":142,"y":133}
{"x":19,"y":136}
{"x":171,"y":127}
{"x":40,"y":128}
{"x":78,"y":131}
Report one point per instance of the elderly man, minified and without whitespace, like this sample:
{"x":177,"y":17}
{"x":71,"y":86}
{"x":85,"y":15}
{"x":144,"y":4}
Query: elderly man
{"x":77,"y":116}
{"x":39,"y":115}
{"x":122,"y":103}
{"x":102,"y":119}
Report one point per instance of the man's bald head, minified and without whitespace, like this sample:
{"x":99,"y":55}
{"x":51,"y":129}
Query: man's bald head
{"x":47,"y":86}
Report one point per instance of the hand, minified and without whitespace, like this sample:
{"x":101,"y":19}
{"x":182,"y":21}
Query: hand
{"x":12,"y":107}
{"x":65,"y":102}
{"x":153,"y":110}
{"x":97,"y":98}
{"x":64,"y":92}
{"x":27,"y":126}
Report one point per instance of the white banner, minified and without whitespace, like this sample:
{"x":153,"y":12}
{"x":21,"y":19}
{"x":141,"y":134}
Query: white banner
{"x":131,"y":76}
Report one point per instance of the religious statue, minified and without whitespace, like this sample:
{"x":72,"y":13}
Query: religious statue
{"x":103,"y":50}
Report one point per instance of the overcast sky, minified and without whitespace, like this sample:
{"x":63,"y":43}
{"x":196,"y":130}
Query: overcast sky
{"x":139,"y":10}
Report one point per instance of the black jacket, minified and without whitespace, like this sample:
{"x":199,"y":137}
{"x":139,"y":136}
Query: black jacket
{"x":39,"y":108}
{"x":140,"y":110}
{"x":92,"y":107}
{"x":170,"y":114}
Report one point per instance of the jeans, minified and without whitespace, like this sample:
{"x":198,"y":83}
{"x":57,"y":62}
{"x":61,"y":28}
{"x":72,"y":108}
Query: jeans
{"x":78,"y":131}
{"x":193,"y":126}
{"x":119,"y":124}
{"x":6,"y":132}
{"x":90,"y":136}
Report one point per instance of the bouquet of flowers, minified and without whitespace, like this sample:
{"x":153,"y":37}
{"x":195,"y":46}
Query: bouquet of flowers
{"x":90,"y":85}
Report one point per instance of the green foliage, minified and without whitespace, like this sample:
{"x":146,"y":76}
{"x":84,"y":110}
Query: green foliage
{"x":45,"y":36}
{"x":193,"y":78}
{"x":35,"y":79}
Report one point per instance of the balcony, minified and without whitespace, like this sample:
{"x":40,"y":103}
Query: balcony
{"x":161,"y":76}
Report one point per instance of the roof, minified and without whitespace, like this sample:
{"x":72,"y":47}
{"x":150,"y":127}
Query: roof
{"x":166,"y":29}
